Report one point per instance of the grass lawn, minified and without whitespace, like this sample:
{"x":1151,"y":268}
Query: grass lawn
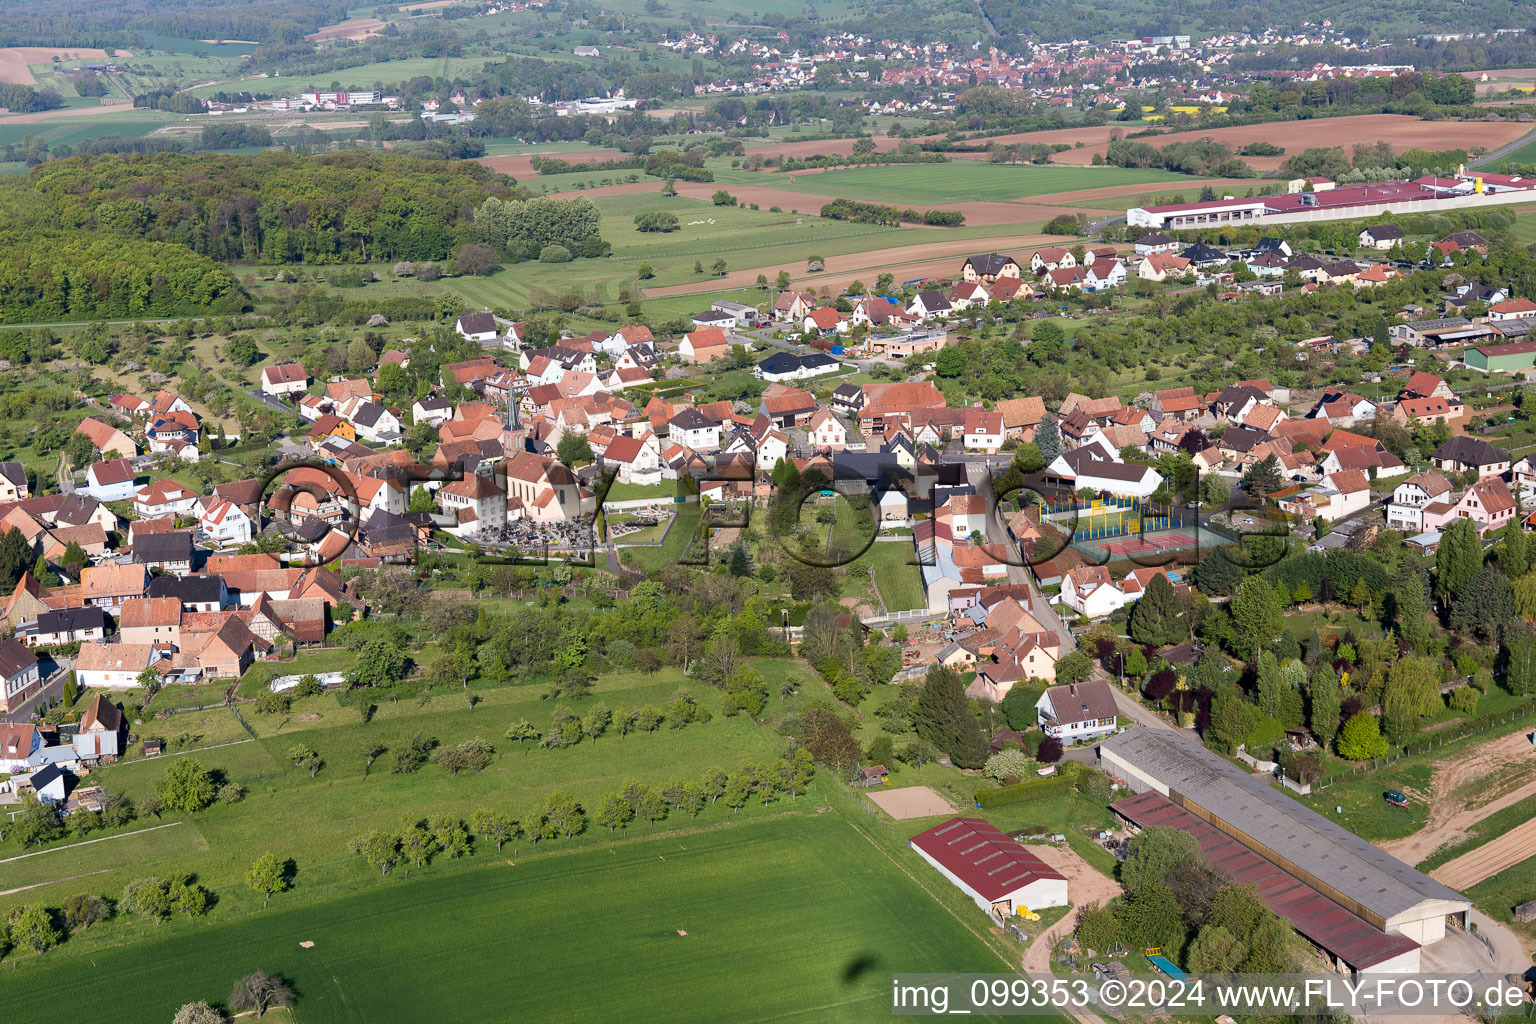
{"x":684,"y":525}
{"x":958,"y":181}
{"x":897,"y":576}
{"x":792,"y":917}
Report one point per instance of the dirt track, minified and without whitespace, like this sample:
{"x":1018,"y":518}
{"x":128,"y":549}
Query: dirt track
{"x":1085,"y":883}
{"x":1449,"y":815}
{"x":1402,"y":131}
{"x":1489,"y":859}
{"x":14,"y":60}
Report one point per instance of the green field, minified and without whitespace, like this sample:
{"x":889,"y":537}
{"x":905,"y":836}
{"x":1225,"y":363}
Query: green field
{"x":794,"y":918}
{"x":955,"y":182}
{"x":361,"y":77}
{"x":127,"y":125}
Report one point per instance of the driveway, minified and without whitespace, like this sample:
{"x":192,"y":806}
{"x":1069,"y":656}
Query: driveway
{"x":1086,"y":884}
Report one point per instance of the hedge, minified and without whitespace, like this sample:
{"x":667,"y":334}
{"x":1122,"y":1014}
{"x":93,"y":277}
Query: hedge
{"x":1022,"y":792}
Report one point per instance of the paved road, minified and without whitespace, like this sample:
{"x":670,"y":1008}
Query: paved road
{"x":1502,"y":151}
{"x":52,"y":690}
{"x":92,"y":323}
{"x":978,"y":472}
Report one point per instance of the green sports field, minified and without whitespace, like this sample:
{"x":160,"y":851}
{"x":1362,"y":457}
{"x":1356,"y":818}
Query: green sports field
{"x":793,"y":918}
{"x":956,"y":181}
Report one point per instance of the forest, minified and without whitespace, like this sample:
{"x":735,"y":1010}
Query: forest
{"x":276,"y":207}
{"x":78,"y":276}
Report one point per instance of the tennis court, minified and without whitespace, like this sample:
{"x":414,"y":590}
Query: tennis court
{"x":1150,"y":542}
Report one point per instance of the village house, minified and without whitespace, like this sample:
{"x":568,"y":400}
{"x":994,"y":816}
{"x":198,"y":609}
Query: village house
{"x":1078,"y":712}
{"x":1381,"y":236}
{"x":112,"y":480}
{"x":1488,"y":504}
{"x":988,"y":267}
{"x":1051,"y":258}
{"x":111,"y":442}
{"x":478,"y":504}
{"x":983,"y":431}
{"x":479,"y":327}
{"x":792,"y":306}
{"x":827,"y":432}
{"x":1462,"y":454}
{"x":20,"y":677}
{"x":285,"y":379}
{"x":108,"y":586}
{"x":161,"y":499}
{"x":704,"y":345}
{"x":1338,"y":495}
{"x":13,"y":482}
{"x":1160,"y":266}
{"x":64,"y":626}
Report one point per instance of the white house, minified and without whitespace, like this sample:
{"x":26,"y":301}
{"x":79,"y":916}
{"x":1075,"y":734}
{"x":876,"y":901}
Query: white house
{"x":1089,"y":467}
{"x":19,"y":675}
{"x":692,"y":428}
{"x":983,"y":430}
{"x":786,"y":366}
{"x":1102,"y":275}
{"x":225,"y":524}
{"x":929,"y":304}
{"x":1091,"y":592}
{"x":479,"y":505}
{"x":477,"y":327}
{"x":110,"y":481}
{"x":1381,"y":236}
{"x":1077,"y":712}
{"x":375,"y":423}
{"x":435,"y":411}
{"x":112,"y":666}
{"x":18,"y":742}
{"x":635,"y":460}
{"x":827,"y":431}
{"x":162,"y":498}
{"x":1000,"y":876}
{"x":287,"y":379}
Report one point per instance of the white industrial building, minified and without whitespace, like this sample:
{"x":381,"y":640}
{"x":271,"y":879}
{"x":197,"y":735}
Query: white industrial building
{"x":1365,"y":909}
{"x":999,"y":874}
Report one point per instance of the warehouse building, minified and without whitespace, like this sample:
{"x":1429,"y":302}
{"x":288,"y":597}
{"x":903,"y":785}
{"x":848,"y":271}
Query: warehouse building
{"x":1518,"y":355}
{"x":1365,"y":909}
{"x":999,"y":874}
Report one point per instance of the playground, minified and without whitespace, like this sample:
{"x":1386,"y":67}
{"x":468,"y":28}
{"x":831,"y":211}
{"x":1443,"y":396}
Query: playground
{"x":1122,"y":528}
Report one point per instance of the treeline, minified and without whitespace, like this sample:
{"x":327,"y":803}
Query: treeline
{"x":554,"y":165}
{"x":32,"y":150}
{"x":877,"y":213}
{"x":23,"y":99}
{"x":170,"y":99}
{"x":909,"y":154}
{"x":80,"y":276}
{"x":669,"y":163}
{"x":110,"y":23}
{"x":1202,"y":157}
{"x":1367,"y":162}
{"x":335,"y":208}
{"x":523,"y":229}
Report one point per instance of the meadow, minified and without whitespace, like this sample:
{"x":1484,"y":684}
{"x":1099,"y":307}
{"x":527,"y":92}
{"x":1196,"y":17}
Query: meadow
{"x":361,"y":77}
{"x":954,"y":182}
{"x":788,"y":917}
{"x":71,"y":130}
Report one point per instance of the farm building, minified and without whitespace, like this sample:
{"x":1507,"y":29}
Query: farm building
{"x":1365,"y":909}
{"x":999,"y":874}
{"x":1518,"y":355}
